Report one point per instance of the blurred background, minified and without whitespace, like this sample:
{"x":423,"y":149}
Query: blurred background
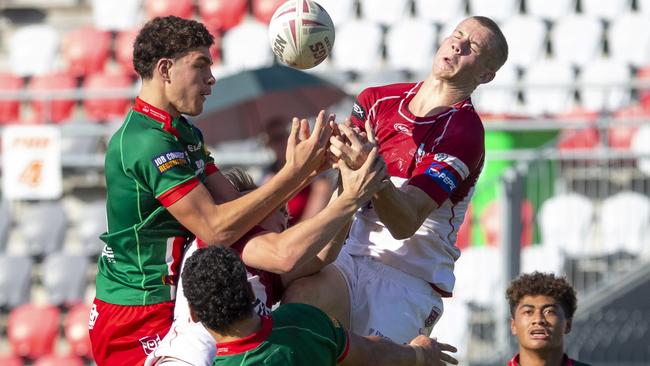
{"x":565,"y":187}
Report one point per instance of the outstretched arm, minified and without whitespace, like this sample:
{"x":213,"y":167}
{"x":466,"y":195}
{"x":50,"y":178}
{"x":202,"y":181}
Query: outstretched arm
{"x":379,"y":351}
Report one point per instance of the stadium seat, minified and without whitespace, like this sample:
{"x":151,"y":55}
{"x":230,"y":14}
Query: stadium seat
{"x":123,"y":49}
{"x":116,"y":15}
{"x":464,"y":236}
{"x":640,"y":146}
{"x":526,"y":40}
{"x":643,"y":6}
{"x":64,"y":278}
{"x":577,"y":39}
{"x":6,"y":220}
{"x":643,"y":76}
{"x":497,"y":10}
{"x":385,"y":13}
{"x":161,"y":8}
{"x":547,"y":87}
{"x":358,"y":46}
{"x":411,"y":45}
{"x":625,"y":223}
{"x":492,"y":223}
{"x":15,"y":280}
{"x":86,"y":51}
{"x":59,"y":360}
{"x":92,"y":223}
{"x":608,"y":10}
{"x":223,"y":15}
{"x":75,"y":329}
{"x":634,"y":50}
{"x":32,"y":50}
{"x":604,"y":86}
{"x":439,"y":11}
{"x":11,"y":360}
{"x":541,"y":258}
{"x":53,"y":107}
{"x":246,"y":46}
{"x":341,"y":11}
{"x":565,"y":221}
{"x":10,"y":108}
{"x":498,"y":97}
{"x":32,"y":330}
{"x":263,"y":9}
{"x":43,"y":227}
{"x":550,"y":9}
{"x":476,"y":278}
{"x":586,"y":138}
{"x":102,"y":108}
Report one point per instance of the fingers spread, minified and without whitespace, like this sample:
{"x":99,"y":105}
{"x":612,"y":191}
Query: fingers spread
{"x":293,"y":135}
{"x":370,"y":132}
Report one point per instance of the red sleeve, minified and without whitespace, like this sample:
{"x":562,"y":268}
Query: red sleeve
{"x":175,"y":193}
{"x":450,"y":161}
{"x":210,"y":169}
{"x":361,"y":108}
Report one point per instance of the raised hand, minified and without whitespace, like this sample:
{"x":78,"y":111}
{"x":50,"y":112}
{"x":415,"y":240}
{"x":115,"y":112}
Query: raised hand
{"x":351,"y":145}
{"x":305,"y":154}
{"x":431,"y":352}
{"x":361,"y":184}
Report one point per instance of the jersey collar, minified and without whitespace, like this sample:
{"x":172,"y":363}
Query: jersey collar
{"x":249,"y":342}
{"x":156,"y":114}
{"x":566,"y":361}
{"x":404,"y":111}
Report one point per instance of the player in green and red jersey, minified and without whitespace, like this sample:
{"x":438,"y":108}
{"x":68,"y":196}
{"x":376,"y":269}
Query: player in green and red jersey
{"x":542,"y":307}
{"x":294,"y":334}
{"x":163,"y":189}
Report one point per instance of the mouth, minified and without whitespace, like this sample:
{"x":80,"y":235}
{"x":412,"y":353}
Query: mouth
{"x":540,"y":334}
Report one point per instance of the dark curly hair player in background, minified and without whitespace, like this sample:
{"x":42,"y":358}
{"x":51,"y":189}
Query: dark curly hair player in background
{"x":221,"y":298}
{"x":163,"y":189}
{"x":542,"y":307}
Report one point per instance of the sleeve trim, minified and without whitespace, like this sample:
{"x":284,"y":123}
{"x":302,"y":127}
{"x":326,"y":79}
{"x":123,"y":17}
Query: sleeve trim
{"x":346,"y":350}
{"x":175,"y":193}
{"x":211,"y":168}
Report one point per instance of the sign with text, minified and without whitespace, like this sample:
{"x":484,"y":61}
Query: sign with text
{"x":31,"y":162}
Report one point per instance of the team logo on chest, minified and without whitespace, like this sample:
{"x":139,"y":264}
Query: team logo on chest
{"x":402,"y":128}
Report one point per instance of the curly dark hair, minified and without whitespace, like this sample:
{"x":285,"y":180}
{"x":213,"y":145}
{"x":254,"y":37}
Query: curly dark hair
{"x":544,"y":284}
{"x":170,"y":37}
{"x":216,"y":287}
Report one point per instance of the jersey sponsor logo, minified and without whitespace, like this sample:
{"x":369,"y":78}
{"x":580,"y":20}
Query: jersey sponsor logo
{"x":357,"y":111}
{"x":402,"y":128}
{"x":420,"y":153}
{"x":107,"y":252}
{"x":433,"y":316}
{"x":94,"y":314}
{"x":150,"y":343}
{"x":195,"y":148}
{"x":442,"y":176}
{"x":168,"y":160}
{"x":453,"y":162}
{"x":200,"y":166}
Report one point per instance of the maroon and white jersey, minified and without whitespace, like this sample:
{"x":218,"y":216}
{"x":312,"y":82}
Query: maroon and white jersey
{"x":443,"y":156}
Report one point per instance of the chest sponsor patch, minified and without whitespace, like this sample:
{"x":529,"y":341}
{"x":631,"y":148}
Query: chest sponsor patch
{"x":442,"y":176}
{"x":357,"y":111}
{"x":168,"y":160}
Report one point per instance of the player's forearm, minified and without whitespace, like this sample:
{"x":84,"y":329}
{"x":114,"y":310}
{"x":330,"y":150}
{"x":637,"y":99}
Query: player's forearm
{"x":396,"y":211}
{"x":328,"y":254}
{"x":378,"y":351}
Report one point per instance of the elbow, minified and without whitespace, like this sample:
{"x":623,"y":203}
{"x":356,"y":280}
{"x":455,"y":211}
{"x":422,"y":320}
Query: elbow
{"x":284,"y":265}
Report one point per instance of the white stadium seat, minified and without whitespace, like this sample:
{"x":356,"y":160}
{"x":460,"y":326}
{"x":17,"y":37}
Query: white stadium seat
{"x":526,"y":39}
{"x":411,"y":45}
{"x":500,"y":95}
{"x":550,"y":9}
{"x":641,"y":146}
{"x":629,"y":39}
{"x":358,"y":46}
{"x":643,"y":6}
{"x":341,"y":11}
{"x":547,"y":87}
{"x":497,"y":10}
{"x":604,"y":86}
{"x":116,"y":15}
{"x":246,"y":46}
{"x":609,"y":9}
{"x":439,"y":11}
{"x":565,"y":221}
{"x":32,"y":50}
{"x":541,"y":258}
{"x":385,"y":12}
{"x":625,"y":223}
{"x":477,"y":275}
{"x":577,"y":39}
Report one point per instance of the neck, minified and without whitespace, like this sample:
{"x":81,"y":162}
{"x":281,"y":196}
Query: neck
{"x":552,"y":357}
{"x":240,"y":329}
{"x":153,"y":92}
{"x":436,"y":95}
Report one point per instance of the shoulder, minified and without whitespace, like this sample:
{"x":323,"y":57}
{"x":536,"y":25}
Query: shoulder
{"x":467,"y":122}
{"x":378,"y":92}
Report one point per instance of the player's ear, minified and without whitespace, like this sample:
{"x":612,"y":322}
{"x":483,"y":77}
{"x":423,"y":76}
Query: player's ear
{"x":163,"y":69}
{"x":513,"y":329}
{"x":567,"y":329}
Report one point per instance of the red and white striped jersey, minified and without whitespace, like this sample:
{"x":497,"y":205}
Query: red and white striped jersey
{"x":443,"y":156}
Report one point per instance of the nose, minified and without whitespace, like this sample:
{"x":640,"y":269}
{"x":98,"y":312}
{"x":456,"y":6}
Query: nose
{"x":539,"y":318}
{"x":459,"y":46}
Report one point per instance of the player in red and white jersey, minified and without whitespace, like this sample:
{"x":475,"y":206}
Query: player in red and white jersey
{"x":399,"y":258}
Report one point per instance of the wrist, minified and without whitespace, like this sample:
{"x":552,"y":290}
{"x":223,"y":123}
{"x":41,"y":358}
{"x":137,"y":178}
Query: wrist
{"x":419,"y":354}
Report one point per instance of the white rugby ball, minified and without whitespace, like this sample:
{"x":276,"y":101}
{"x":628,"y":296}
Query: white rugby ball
{"x":301,"y":33}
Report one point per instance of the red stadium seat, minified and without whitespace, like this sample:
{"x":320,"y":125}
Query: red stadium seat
{"x":587,"y":138}
{"x":11,"y":360}
{"x":32,"y":330}
{"x":161,"y":8}
{"x":59,"y":360}
{"x":263,"y":9}
{"x":76,"y":331}
{"x":124,"y":49}
{"x":222,"y":14}
{"x":86,"y":51}
{"x":10,"y":109}
{"x":103,"y":109}
{"x":492,"y":225}
{"x":52,"y":108}
{"x":643,"y":74}
{"x":464,"y":237}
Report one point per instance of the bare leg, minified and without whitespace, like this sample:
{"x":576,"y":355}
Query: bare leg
{"x":327,"y":290}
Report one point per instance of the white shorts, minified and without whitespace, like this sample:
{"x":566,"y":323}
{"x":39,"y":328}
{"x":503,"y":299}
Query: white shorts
{"x":387,"y":302}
